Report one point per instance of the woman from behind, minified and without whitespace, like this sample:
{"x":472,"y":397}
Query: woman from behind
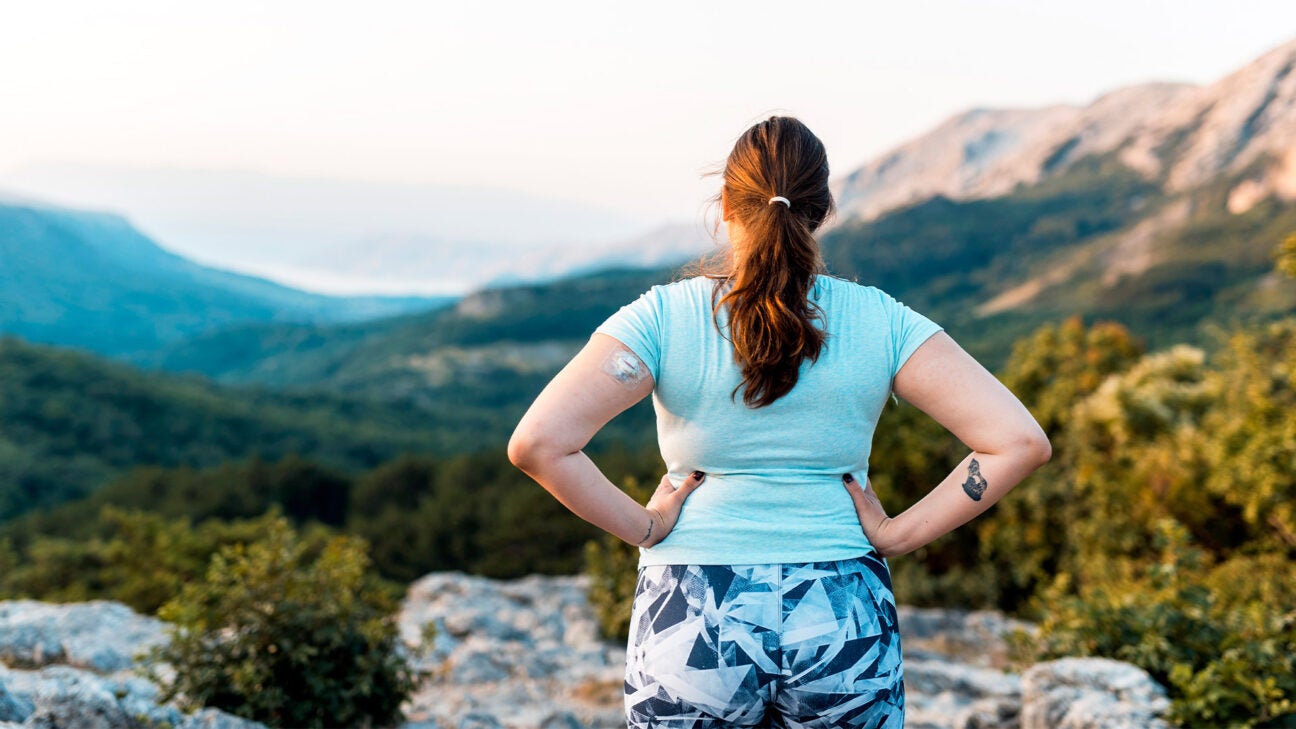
{"x":763,"y":595}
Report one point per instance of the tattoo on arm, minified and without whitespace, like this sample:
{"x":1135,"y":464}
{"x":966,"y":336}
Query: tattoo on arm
{"x":975,"y":485}
{"x":623,"y":366}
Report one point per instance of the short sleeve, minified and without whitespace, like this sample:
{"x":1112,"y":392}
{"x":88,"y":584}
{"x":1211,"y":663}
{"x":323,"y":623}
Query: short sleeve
{"x":909,"y":330}
{"x":638,"y":325}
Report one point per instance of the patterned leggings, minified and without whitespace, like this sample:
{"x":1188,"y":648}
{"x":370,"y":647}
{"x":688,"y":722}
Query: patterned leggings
{"x":811,"y":646}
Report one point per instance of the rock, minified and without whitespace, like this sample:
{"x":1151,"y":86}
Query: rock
{"x":139,"y":699}
{"x":216,"y":719}
{"x":100,"y":635}
{"x":474,"y":667}
{"x":9,"y":708}
{"x":991,"y":713}
{"x":1091,"y":693}
{"x":561,"y":720}
{"x":71,"y":698}
{"x":525,"y":653}
{"x":977,"y":637}
{"x":940,"y":691}
{"x":480,"y":720}
{"x":66,"y":697}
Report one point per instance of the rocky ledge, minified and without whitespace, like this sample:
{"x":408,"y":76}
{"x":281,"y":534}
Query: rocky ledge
{"x":526,"y":653}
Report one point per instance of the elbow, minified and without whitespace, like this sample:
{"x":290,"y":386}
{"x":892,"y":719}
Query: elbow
{"x":530,"y":449}
{"x":522,"y":449}
{"x":1038,"y":448}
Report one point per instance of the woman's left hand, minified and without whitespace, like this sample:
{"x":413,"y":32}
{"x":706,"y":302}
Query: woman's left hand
{"x":666,"y":503}
{"x":873,"y":518}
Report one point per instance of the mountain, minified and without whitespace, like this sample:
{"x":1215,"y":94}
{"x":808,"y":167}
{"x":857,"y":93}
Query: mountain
{"x":91,"y":280}
{"x":1180,"y":136}
{"x":1157,"y":205}
{"x":345,"y":236}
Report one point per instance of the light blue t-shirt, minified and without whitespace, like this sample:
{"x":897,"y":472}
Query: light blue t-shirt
{"x":773,"y":491}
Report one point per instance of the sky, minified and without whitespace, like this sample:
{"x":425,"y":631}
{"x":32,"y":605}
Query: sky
{"x":617,"y":105}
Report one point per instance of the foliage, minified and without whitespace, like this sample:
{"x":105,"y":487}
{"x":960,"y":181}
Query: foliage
{"x":70,"y":421}
{"x":287,"y":631}
{"x":138,"y":557}
{"x":1285,"y":256}
{"x":142,"y":536}
{"x":1226,"y":661}
{"x":303,"y":489}
{"x":1180,"y":549}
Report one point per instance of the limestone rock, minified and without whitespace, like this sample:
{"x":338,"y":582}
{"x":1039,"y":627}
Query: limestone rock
{"x":67,"y":697}
{"x":1091,"y":693}
{"x":215,"y":719}
{"x":10,"y":710}
{"x":100,"y":635}
{"x":525,"y":653}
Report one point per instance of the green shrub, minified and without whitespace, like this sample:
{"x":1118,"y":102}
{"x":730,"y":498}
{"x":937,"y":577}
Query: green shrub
{"x":1285,"y":256}
{"x":1225,"y":648}
{"x":288,"y":631}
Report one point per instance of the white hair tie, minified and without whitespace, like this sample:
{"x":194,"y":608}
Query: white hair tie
{"x":779,"y":198}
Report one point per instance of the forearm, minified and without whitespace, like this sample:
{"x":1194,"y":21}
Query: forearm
{"x":578,"y":484}
{"x":965,"y":493}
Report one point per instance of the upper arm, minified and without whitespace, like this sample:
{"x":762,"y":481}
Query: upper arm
{"x":944,"y":381}
{"x":602,"y":380}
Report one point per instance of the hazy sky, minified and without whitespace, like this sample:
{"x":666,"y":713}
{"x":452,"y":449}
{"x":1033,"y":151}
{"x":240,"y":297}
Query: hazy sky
{"x":617,"y":104}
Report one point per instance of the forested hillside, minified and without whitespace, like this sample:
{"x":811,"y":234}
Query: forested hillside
{"x":69,"y":420}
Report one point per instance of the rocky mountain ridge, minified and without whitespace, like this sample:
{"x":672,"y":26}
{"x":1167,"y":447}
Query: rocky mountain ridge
{"x":1182,"y":135}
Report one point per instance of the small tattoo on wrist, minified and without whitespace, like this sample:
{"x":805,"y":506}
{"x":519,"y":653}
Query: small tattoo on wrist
{"x":649,"y":534}
{"x":975,"y":485}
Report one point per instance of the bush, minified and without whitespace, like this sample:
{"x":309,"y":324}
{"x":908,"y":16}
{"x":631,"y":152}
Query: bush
{"x":1225,"y":648}
{"x":287,"y":631}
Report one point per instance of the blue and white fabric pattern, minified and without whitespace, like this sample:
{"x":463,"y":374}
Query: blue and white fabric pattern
{"x":811,"y":645}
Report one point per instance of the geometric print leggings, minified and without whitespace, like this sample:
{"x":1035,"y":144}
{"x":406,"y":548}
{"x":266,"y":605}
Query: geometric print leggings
{"x":811,"y":645}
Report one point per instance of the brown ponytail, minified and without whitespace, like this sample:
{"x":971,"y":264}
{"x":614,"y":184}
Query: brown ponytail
{"x":772,"y":264}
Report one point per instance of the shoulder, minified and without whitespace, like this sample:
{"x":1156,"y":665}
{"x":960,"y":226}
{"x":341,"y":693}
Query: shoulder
{"x":843,"y":290}
{"x":686,"y":288}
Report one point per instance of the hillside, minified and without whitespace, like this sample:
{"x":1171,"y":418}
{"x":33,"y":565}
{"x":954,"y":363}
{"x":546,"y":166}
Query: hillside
{"x":1097,"y":240}
{"x":69,"y":421}
{"x":91,"y":280}
{"x":496,"y":347}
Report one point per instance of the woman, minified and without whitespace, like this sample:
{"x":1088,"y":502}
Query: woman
{"x":763,"y":595}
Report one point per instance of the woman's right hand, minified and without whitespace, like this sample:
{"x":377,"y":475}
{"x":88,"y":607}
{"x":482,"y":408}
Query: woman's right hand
{"x":665,"y":505}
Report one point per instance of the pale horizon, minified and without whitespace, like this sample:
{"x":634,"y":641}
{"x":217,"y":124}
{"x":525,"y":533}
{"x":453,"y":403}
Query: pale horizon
{"x":606,"y":113}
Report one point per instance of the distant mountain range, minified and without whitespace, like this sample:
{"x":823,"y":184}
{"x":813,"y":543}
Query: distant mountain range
{"x":1180,"y":136}
{"x":353,"y":236}
{"x":91,"y":280}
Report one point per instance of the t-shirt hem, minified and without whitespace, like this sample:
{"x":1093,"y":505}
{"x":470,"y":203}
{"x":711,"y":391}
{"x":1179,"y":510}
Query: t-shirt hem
{"x":676,"y":557}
